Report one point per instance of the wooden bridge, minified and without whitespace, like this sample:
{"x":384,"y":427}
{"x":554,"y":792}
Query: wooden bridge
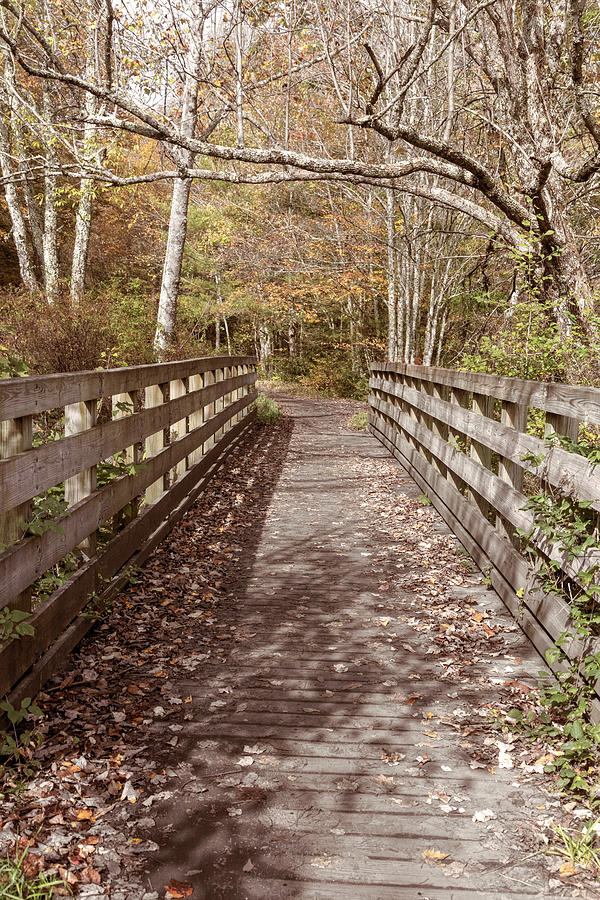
{"x":339,"y":747}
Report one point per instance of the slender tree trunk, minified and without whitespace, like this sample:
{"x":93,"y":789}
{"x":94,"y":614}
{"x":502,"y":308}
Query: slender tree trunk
{"x":169,"y":289}
{"x":227,"y":336}
{"x":19,"y":229}
{"x":265,"y":338}
{"x":171,"y":277}
{"x":83,"y":216}
{"x":293,"y":350}
{"x":50,"y":237}
{"x":392,"y":284}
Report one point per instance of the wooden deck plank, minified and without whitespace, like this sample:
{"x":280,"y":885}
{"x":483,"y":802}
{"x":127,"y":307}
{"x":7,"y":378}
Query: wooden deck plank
{"x":293,"y":737}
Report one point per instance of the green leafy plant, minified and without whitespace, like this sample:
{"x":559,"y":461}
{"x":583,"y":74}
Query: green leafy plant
{"x":579,"y":847}
{"x":17,"y":745}
{"x":14,"y":625}
{"x":267,"y":411}
{"x":11,"y":366}
{"x":45,"y":510}
{"x":118,"y":466}
{"x":570,"y":526}
{"x":359,"y":421}
{"x":17,"y":884}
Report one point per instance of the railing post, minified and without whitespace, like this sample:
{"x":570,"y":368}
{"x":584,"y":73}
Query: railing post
{"x":227,"y":372}
{"x":16,"y":436}
{"x":156,"y":394}
{"x":209,"y":409}
{"x":483,"y":405}
{"x":219,"y":404}
{"x":563,"y":425}
{"x":440,"y":392}
{"x":514,"y":415}
{"x":196,"y":419}
{"x":124,"y":405}
{"x":81,"y":417}
{"x":178,"y":388}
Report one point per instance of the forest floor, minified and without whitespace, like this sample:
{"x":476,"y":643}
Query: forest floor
{"x":299,"y":697}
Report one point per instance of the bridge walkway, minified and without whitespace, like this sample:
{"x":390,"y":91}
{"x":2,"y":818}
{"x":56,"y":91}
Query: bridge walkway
{"x":343,"y":749}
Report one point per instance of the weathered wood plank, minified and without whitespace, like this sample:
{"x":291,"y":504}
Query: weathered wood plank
{"x":23,"y":563}
{"x":81,"y":417}
{"x":31,"y":473}
{"x":568,"y":400}
{"x":130,"y":547}
{"x":543,"y":617}
{"x":32,"y":395}
{"x":513,"y":445}
{"x":16,"y":436}
{"x":492,"y":490}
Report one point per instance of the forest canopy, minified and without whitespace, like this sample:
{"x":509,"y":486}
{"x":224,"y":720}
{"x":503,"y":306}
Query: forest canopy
{"x":323,"y":184}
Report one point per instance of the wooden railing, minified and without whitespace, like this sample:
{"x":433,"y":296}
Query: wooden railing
{"x":462,"y":436}
{"x":155,"y":433}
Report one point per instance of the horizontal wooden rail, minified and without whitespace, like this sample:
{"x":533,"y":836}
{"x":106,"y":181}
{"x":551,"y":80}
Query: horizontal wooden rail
{"x":188,"y":415}
{"x":462,"y":436}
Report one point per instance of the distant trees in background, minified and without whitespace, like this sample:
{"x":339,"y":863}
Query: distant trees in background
{"x":314,"y":181}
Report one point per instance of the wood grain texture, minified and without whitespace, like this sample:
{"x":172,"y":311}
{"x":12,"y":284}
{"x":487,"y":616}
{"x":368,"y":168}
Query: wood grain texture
{"x":26,"y":396}
{"x":129,"y":548}
{"x":576,"y":402}
{"x":584,"y":479}
{"x":22,"y":563}
{"x":31,"y":473}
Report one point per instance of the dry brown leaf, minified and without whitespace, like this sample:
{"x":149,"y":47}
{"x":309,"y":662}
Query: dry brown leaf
{"x":567,"y":869}
{"x":178,"y":889}
{"x":434,"y":857}
{"x":86,"y":814}
{"x":89,"y":875}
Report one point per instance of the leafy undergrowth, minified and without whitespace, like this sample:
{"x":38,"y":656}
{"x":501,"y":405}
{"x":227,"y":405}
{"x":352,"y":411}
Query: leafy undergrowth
{"x":97,"y":771}
{"x":21,"y":878}
{"x":359,"y":421}
{"x":267,"y":410}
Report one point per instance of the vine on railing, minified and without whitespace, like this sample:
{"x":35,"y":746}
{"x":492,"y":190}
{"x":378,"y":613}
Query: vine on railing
{"x":566,"y":722}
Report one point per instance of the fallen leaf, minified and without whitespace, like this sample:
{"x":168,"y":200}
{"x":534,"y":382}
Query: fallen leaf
{"x":90,"y":875}
{"x":248,"y":867}
{"x":434,"y":857}
{"x":86,"y":814}
{"x":245,"y":761}
{"x":178,"y":889}
{"x":567,"y":869}
{"x":484,"y":815}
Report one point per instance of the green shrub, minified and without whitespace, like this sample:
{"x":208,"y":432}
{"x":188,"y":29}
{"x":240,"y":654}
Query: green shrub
{"x":528,"y":344}
{"x":359,"y":421}
{"x":267,"y":411}
{"x":289,"y":368}
{"x":333,"y":376}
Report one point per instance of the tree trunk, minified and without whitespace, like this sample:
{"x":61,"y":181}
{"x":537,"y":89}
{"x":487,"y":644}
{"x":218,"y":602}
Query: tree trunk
{"x":50,"y":236}
{"x":19,"y":229}
{"x":169,"y":289}
{"x":83,"y":216}
{"x":392,"y":284}
{"x":265,"y":347}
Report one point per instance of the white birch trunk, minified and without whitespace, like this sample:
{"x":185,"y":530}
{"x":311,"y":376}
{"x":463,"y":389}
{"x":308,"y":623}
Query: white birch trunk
{"x":171,"y":277}
{"x":392,"y":283}
{"x":83,"y":216}
{"x":50,"y":236}
{"x":19,"y":229}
